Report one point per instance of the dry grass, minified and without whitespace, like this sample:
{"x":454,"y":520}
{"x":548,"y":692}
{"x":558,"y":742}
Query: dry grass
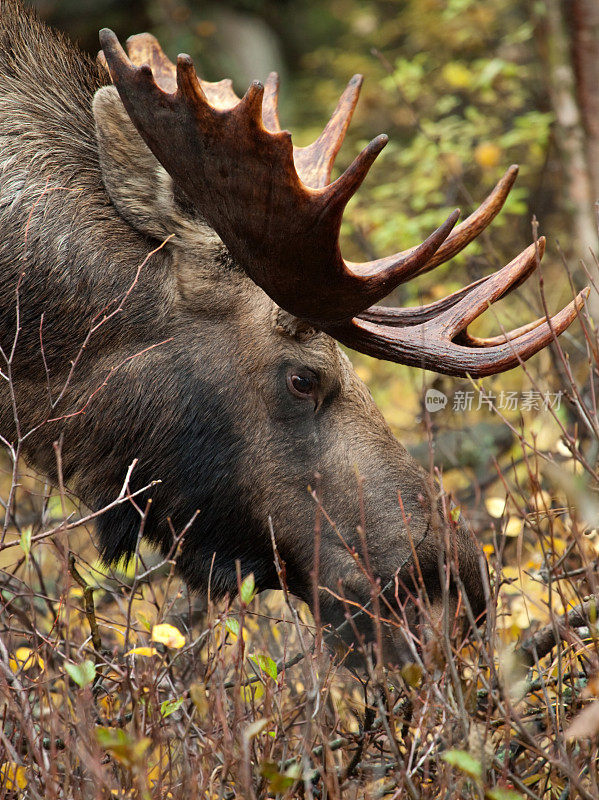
{"x":97,"y":702}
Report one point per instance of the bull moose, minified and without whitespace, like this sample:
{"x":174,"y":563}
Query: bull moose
{"x":173,"y":292}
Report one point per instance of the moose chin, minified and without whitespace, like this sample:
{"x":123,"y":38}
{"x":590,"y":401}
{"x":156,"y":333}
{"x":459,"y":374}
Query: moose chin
{"x":174,"y":294}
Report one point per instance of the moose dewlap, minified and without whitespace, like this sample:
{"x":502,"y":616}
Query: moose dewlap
{"x":173,"y":293}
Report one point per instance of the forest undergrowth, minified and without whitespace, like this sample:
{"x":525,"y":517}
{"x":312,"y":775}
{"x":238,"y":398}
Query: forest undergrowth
{"x":118,"y":683}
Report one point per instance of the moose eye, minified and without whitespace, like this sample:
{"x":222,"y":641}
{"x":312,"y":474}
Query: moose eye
{"x":302,"y":384}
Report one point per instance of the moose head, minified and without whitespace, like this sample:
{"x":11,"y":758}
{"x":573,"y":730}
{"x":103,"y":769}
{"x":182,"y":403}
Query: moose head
{"x":137,"y":183}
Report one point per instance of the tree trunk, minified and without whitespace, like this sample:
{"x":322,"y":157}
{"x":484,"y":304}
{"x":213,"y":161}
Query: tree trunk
{"x":570,"y":131}
{"x":584,"y":21}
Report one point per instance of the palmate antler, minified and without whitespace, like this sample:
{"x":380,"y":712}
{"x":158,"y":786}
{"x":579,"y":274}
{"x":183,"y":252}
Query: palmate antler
{"x":275,"y":210}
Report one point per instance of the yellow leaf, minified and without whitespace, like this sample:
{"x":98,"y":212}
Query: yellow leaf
{"x":457,"y":75}
{"x":592,"y":687}
{"x":121,"y":631}
{"x":520,"y":615}
{"x":199,"y":697}
{"x":487,"y":155}
{"x":255,"y":691}
{"x":514,"y":526}
{"x":12,"y":776}
{"x":168,"y":635}
{"x":412,"y":674}
{"x":495,"y":506}
{"x":109,"y":704}
{"x":142,"y":651}
{"x":233,"y":629}
{"x":540,"y":501}
{"x":276,"y":633}
{"x":25,"y":659}
{"x":55,"y":700}
{"x":158,"y":764}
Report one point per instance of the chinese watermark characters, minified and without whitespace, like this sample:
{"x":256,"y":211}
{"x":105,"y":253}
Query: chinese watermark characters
{"x":470,"y":400}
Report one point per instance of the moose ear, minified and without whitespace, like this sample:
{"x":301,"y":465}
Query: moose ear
{"x":138,"y":185}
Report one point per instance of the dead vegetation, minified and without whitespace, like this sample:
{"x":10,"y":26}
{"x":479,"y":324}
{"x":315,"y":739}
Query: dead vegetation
{"x":117,"y":683}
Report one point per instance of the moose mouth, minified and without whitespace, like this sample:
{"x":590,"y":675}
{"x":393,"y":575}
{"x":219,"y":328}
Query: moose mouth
{"x":397,"y":621}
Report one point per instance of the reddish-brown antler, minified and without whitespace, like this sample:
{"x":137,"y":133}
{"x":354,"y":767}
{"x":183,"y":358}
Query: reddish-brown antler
{"x":243,"y":180}
{"x":275,"y":210}
{"x":313,"y":164}
{"x":435,"y":336}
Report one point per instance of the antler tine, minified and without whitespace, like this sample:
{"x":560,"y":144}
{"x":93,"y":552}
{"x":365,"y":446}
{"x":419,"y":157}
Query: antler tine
{"x":400,"y":317}
{"x":315,"y":162}
{"x":251,"y":103}
{"x":117,"y":62}
{"x":435,"y":336}
{"x":143,"y":48}
{"x":189,"y":85}
{"x":473,"y":225}
{"x":101,"y":61}
{"x":474,"y":298}
{"x":340,"y":192}
{"x":494,"y":288}
{"x":468,"y":340}
{"x":422,"y":346}
{"x":390,"y":271}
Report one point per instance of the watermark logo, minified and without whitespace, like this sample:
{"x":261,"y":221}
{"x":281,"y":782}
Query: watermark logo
{"x":507,"y":401}
{"x":434,"y":400}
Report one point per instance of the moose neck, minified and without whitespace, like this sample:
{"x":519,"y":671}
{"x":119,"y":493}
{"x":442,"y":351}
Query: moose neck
{"x":74,"y":258}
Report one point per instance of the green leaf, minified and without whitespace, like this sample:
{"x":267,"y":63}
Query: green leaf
{"x":266,"y":664}
{"x":498,"y":793}
{"x":54,"y":507}
{"x":232,"y":625}
{"x":25,"y":541}
{"x":126,"y":749}
{"x":279,"y":782}
{"x":168,"y":706}
{"x":144,"y":621}
{"x":455,"y":513}
{"x":82,"y":674}
{"x":465,"y":762}
{"x":248,"y":589}
{"x":111,"y":737}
